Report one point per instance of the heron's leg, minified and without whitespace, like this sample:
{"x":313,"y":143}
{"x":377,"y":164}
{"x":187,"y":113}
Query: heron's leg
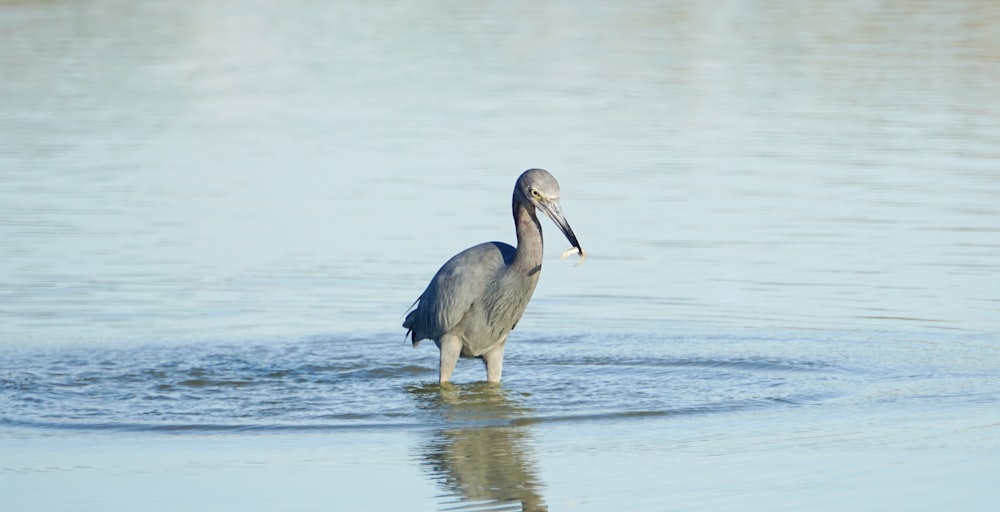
{"x":451,"y":348}
{"x":494,"y":362}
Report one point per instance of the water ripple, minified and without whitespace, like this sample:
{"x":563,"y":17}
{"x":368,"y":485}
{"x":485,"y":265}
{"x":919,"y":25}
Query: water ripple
{"x":325,"y":384}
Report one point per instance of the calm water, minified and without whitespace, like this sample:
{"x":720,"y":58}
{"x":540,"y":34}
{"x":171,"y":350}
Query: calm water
{"x":213,"y":217}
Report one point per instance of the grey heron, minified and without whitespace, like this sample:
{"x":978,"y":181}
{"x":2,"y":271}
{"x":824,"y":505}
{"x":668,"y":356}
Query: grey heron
{"x":477,"y":297}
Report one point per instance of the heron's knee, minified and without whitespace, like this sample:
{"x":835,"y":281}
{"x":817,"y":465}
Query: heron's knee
{"x":494,"y":363}
{"x":451,"y":349}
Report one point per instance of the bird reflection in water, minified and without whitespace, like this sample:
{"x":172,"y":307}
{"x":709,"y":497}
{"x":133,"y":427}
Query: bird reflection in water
{"x":480,"y":456}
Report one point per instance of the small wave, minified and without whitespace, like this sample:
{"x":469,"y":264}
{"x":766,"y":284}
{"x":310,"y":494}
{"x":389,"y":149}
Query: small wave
{"x":696,"y":410}
{"x":511,"y":415}
{"x":323,"y":385}
{"x":205,"y":428}
{"x":202,"y":383}
{"x":755,"y":364}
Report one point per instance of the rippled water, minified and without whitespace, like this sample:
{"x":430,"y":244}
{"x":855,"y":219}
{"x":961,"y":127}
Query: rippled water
{"x":608,"y":397}
{"x":329,"y":384}
{"x":213,"y":217}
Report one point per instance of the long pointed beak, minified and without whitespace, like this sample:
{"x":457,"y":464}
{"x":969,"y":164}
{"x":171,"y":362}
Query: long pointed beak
{"x":554,"y":211}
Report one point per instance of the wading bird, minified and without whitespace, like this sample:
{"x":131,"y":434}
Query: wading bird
{"x":477,"y":297}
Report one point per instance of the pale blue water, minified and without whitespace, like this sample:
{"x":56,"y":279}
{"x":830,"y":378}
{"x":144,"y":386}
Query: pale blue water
{"x":213,"y":217}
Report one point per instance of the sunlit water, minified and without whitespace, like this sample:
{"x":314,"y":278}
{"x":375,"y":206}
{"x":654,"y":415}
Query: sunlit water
{"x":213,"y":217}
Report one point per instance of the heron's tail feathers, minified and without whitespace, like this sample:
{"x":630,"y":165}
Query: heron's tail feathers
{"x":410,"y":330}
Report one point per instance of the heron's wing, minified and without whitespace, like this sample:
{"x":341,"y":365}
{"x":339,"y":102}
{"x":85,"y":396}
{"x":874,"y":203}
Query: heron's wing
{"x":457,"y":286}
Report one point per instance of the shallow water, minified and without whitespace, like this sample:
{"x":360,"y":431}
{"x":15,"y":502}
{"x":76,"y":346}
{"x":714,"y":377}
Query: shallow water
{"x":328,"y":384}
{"x":213,"y":217}
{"x":588,"y":422}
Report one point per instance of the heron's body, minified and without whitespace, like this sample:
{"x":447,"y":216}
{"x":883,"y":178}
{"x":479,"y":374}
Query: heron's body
{"x":478,"y":296}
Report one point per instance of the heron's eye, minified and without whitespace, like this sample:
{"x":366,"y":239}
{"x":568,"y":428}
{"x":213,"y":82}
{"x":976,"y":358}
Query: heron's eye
{"x":535,"y":194}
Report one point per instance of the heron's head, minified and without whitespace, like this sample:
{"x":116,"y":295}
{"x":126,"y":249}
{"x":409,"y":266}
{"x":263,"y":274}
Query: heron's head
{"x":540,"y":189}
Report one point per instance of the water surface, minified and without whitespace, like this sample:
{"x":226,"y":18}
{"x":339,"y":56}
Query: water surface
{"x":213,"y":217}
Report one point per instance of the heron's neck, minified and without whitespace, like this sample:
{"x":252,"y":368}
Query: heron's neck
{"x":529,"y":238}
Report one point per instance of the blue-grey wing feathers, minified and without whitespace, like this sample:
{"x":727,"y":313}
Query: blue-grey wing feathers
{"x":457,"y":286}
